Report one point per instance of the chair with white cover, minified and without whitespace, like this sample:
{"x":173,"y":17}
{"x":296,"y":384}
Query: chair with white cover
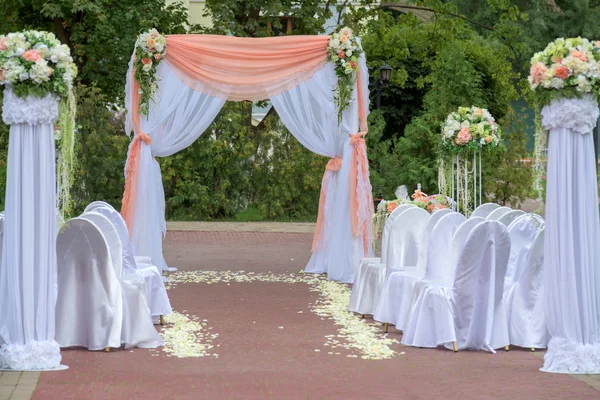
{"x":523,"y":232}
{"x":402,"y":250}
{"x":156,"y":294}
{"x":94,"y":205}
{"x":384,"y":238}
{"x":510,"y":216}
{"x":392,"y":292}
{"x":469,"y":313}
{"x":95,"y":309}
{"x":524,"y":298}
{"x":484,"y":210}
{"x":89,"y":306}
{"x":498,"y":213}
{"x":397,"y":295}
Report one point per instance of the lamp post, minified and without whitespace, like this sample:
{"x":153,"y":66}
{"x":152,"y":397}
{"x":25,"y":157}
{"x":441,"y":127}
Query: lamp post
{"x":385,"y":73}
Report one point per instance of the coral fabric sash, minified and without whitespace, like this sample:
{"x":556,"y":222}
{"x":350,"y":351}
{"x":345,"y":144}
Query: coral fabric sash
{"x":334,"y":165}
{"x":245,"y":68}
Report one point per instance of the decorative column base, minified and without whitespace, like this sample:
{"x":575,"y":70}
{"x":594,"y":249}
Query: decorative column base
{"x":566,"y":357}
{"x":33,"y":356}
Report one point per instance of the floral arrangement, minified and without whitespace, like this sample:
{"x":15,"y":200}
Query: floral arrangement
{"x":344,"y":52}
{"x":150,"y":49}
{"x":565,"y":68}
{"x":470,"y":128}
{"x":418,"y":198}
{"x":36,"y":63}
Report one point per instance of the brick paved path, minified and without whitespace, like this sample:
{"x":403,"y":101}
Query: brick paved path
{"x":258,"y":360}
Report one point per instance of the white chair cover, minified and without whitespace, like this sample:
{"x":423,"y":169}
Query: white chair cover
{"x":371,"y":276}
{"x":156,"y":294}
{"x":403,"y":247}
{"x":397,"y":294}
{"x":510,"y":216}
{"x":484,"y":210}
{"x":523,"y":232}
{"x":496,"y":214}
{"x":471,"y":311}
{"x":135,"y":327}
{"x":525,"y":301}
{"x":89,"y":308}
{"x":384,"y":239}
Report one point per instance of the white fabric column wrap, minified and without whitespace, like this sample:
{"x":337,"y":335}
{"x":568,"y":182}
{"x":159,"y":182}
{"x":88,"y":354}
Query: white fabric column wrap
{"x":571,"y":251}
{"x":28,"y":267}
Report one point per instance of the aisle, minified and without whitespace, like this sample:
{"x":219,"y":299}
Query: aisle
{"x":265,"y":336}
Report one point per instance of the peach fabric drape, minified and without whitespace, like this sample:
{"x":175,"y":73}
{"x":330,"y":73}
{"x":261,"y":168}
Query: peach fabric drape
{"x":132,"y":166}
{"x":240,"y":69}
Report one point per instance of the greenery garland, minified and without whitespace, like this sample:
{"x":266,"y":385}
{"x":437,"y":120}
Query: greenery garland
{"x":65,"y":167}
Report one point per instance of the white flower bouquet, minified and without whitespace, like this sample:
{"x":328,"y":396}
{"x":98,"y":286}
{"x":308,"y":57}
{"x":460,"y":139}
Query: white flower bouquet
{"x":150,"y":49}
{"x":565,"y":68}
{"x":36,"y":63}
{"x":344,"y":52}
{"x":470,"y":128}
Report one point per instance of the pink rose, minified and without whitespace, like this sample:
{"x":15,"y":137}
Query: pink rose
{"x":561,"y":72}
{"x":157,"y":56}
{"x":3,"y":45}
{"x":341,"y":54}
{"x":538,"y":70}
{"x":31,"y":55}
{"x":146,"y":61}
{"x":430,"y":207}
{"x":463,"y":137}
{"x":353,"y":64}
{"x":580,"y":55}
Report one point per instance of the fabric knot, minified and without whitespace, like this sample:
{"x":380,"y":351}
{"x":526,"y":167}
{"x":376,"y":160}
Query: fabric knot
{"x":335,"y":164}
{"x":144,"y":138}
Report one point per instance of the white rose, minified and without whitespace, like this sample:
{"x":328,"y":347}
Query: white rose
{"x":147,"y":67}
{"x":20,"y":51}
{"x":23,"y":76}
{"x":465,"y":124}
{"x":54,"y":59}
{"x":159,"y":47}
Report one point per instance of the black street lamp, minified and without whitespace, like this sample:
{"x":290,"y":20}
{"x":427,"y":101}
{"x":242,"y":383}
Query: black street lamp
{"x":385,"y":73}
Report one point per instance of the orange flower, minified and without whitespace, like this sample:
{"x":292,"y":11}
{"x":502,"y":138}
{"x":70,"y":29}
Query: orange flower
{"x":31,"y":55}
{"x":344,"y":39}
{"x":430,"y":207}
{"x":440,"y":206}
{"x":3,"y":45}
{"x":157,"y":56}
{"x":341,"y":54}
{"x":146,"y":61}
{"x":1,"y":74}
{"x":580,"y":55}
{"x":353,"y":64}
{"x":561,"y":72}
{"x":151,"y":42}
{"x":488,"y":139}
{"x":392,"y":206}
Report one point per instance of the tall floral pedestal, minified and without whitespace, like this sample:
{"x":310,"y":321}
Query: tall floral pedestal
{"x":28,"y":266}
{"x":572,"y":244}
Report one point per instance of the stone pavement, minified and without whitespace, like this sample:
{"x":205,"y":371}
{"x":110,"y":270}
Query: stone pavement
{"x":267,"y":341}
{"x":18,"y":385}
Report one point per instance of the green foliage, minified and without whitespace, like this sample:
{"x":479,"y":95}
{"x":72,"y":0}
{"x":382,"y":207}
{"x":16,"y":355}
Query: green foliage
{"x":100,"y":33}
{"x":442,"y":65}
{"x":101,"y":149}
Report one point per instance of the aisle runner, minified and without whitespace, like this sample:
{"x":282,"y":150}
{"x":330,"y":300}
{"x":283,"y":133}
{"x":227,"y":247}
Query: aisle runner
{"x":186,"y":336}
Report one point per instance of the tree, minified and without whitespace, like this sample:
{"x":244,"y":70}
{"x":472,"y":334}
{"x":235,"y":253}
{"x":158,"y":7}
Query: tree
{"x":100,"y":33}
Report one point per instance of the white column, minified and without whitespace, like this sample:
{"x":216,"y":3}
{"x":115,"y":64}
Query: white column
{"x":572,"y":252}
{"x":28,"y":267}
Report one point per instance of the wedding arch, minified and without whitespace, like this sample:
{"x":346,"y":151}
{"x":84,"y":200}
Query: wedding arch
{"x":176,"y":86}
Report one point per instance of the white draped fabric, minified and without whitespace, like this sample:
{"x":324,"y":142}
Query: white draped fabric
{"x":179,"y":115}
{"x":28,"y":266}
{"x":572,"y":254}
